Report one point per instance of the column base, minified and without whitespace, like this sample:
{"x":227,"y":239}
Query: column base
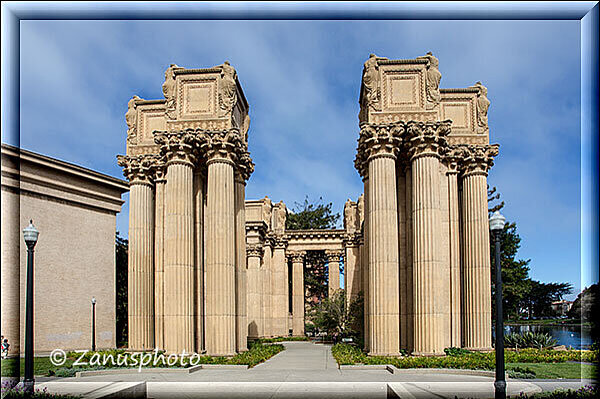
{"x":490,"y":349}
{"x":428,"y":354}
{"x":397,"y":354}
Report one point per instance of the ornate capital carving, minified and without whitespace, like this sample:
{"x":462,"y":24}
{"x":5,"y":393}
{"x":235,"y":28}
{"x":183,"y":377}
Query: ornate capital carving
{"x":478,"y":159}
{"x":333,"y":255}
{"x":280,"y":242}
{"x":223,"y":144}
{"x":432,"y":82}
{"x":296,"y":256}
{"x":176,"y":147}
{"x":138,"y":169}
{"x":426,"y":138}
{"x":131,"y":119}
{"x":453,"y":157}
{"x":376,"y":141}
{"x":255,"y":250}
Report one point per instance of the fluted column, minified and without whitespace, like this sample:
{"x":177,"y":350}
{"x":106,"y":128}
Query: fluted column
{"x":159,"y":258}
{"x":254,"y":255}
{"x":280,"y":289}
{"x":410,"y":313}
{"x":240,"y":265}
{"x":352,"y":269}
{"x":401,"y":192}
{"x":199,"y":294}
{"x":141,"y":251}
{"x":477,"y":324}
{"x":297,"y":259}
{"x":333,"y":267}
{"x":267,"y":293}
{"x":365,"y":265}
{"x":454,"y":253}
{"x":220,"y":258}
{"x":179,"y":259}
{"x":425,"y":142}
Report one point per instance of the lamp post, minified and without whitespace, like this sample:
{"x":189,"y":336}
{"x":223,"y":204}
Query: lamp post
{"x":30,"y":233}
{"x":497,"y":222}
{"x":93,"y":324}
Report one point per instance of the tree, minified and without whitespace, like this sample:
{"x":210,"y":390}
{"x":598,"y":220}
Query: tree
{"x":121,"y":251}
{"x":334,"y":315}
{"x":519,"y":291}
{"x":582,"y":308}
{"x":310,"y":215}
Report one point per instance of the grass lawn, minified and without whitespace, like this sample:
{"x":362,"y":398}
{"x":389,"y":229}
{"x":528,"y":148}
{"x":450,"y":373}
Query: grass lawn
{"x":557,"y":370}
{"x":41,"y":366}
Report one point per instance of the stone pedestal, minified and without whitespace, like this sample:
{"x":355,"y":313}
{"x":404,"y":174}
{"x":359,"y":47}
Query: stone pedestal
{"x":220,"y":259}
{"x":179,"y":256}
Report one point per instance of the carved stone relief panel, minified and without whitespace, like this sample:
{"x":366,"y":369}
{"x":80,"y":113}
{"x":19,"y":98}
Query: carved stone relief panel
{"x":197,"y":97}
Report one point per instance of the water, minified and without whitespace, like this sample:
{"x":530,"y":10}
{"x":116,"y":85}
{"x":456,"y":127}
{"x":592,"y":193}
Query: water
{"x":576,"y":336}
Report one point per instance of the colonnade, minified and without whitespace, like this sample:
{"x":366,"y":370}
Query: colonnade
{"x":410,"y":171}
{"x":187,"y":257}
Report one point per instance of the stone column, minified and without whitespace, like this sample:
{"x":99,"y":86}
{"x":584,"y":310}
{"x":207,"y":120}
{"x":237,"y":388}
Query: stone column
{"x":267,"y":297}
{"x":378,"y":146}
{"x":240,"y":265}
{"x":425,"y":141}
{"x":159,"y":257}
{"x":199,"y":294}
{"x":333,"y":266}
{"x":220,"y":257}
{"x":454,"y":253}
{"x":402,"y":228}
{"x":297,"y":293}
{"x":410,"y":316}
{"x":141,"y":252}
{"x":365,"y":265}
{"x":280,"y":289}
{"x":179,"y":271}
{"x":352,"y":269}
{"x":477,"y":323}
{"x":254,"y":254}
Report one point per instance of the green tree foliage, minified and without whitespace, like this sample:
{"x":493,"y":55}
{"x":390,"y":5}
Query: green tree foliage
{"x":334,"y":315}
{"x":309,"y":215}
{"x":519,"y":291}
{"x":121,"y":250}
{"x":315,"y":276}
{"x":583,"y":306}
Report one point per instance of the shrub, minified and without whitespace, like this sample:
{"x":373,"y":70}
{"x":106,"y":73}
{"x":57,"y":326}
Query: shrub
{"x":529,"y":340}
{"x":521,"y":372}
{"x":586,"y":392}
{"x":452,"y":351}
{"x":15,"y":392}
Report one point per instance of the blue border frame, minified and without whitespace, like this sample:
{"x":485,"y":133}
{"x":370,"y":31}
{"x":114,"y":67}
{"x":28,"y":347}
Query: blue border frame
{"x":586,"y":12}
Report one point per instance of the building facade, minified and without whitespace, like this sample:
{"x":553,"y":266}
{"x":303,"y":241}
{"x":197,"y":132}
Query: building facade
{"x":209,"y":270}
{"x":74,"y":209}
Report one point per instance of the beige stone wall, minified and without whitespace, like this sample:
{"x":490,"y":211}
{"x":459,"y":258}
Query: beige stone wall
{"x":74,"y":256}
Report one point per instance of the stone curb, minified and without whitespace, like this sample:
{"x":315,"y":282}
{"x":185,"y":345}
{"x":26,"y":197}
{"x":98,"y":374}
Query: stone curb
{"x":188,"y":370}
{"x":394,"y":370}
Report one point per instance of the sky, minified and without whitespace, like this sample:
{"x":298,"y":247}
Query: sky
{"x":302,"y":79}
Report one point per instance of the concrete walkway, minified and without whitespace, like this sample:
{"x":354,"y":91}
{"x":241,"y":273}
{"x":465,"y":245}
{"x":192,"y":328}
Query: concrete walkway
{"x":303,"y":370}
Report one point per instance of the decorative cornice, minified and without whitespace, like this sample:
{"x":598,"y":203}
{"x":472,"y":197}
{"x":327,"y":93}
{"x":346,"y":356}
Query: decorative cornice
{"x":138,"y":169}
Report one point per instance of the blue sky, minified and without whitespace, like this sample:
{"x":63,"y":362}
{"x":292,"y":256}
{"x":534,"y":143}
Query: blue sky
{"x":302,"y":79}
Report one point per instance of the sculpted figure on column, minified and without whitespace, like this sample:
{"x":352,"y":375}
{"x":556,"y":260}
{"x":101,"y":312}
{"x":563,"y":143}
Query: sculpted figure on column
{"x":168,"y":89}
{"x":350,"y":218}
{"x":131,"y":118}
{"x":372,"y":83}
{"x":483,"y":104}
{"x":432,"y":86}
{"x":227,"y":88}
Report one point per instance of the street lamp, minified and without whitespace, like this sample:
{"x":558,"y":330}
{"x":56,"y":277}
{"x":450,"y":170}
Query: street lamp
{"x":30,"y":233}
{"x":497,"y":222}
{"x":93,"y":324}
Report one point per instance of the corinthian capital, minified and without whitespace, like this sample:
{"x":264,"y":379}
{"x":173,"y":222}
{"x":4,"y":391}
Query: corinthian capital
{"x":453,"y":157}
{"x":254,"y":250}
{"x":333,"y":255}
{"x":478,"y":159}
{"x":176,"y":147}
{"x":224,"y":144}
{"x":426,"y":138}
{"x":377,"y":140}
{"x":138,"y":169}
{"x":296,"y":256}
